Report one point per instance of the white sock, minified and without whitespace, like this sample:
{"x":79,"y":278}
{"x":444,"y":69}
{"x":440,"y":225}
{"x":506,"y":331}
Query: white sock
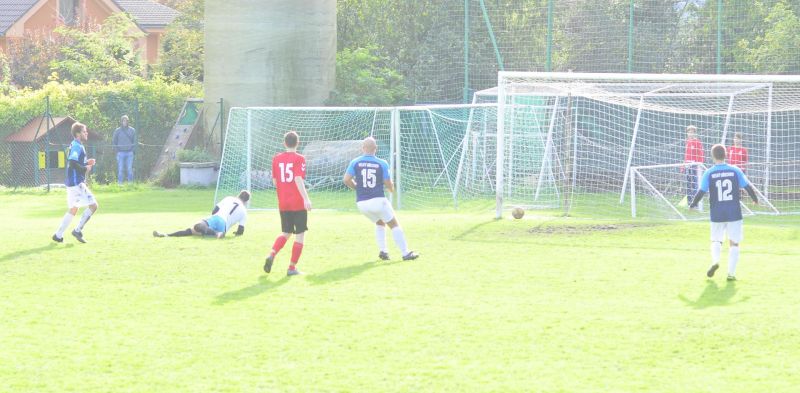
{"x":733,"y":259}
{"x":85,"y":217}
{"x":64,"y":224}
{"x":400,"y":239}
{"x":380,"y":237}
{"x":716,"y":249}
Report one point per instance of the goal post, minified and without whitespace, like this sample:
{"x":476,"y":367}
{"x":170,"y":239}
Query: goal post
{"x":623,"y":128}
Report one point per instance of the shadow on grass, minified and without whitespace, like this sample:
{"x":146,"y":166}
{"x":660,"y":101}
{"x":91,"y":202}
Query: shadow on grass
{"x":346,"y":272}
{"x":31,"y":251}
{"x":714,"y":296}
{"x":256,"y":289}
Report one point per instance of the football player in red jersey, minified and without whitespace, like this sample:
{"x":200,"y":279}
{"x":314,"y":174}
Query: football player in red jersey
{"x":737,"y":154}
{"x":288,"y":175}
{"x":693,"y":157}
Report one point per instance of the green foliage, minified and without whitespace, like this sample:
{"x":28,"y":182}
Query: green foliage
{"x":102,"y":53}
{"x":78,"y":54}
{"x":153,"y":106}
{"x":195,"y":154}
{"x":775,"y":51}
{"x":171,"y":177}
{"x":363,"y":79}
{"x":182,"y":48}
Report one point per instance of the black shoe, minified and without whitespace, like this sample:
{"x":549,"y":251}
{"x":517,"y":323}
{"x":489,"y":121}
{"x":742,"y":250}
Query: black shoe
{"x":268,"y":263}
{"x":158,"y":234}
{"x":731,"y":278}
{"x":57,"y":239}
{"x":712,"y":270}
{"x":383,"y":255}
{"x":410,"y":256}
{"x":78,"y":235}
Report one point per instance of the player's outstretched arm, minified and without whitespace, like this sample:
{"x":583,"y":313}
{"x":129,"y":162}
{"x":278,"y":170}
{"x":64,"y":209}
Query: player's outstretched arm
{"x":697,"y":198}
{"x":389,"y":185}
{"x":349,"y":181}
{"x":752,"y":193}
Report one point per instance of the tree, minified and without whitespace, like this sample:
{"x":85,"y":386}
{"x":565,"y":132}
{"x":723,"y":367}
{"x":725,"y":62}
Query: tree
{"x":776,"y":50}
{"x":102,"y":53}
{"x":182,"y":49}
{"x":362,"y":79}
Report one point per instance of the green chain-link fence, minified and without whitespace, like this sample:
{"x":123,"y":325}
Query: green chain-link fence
{"x":448,"y":49}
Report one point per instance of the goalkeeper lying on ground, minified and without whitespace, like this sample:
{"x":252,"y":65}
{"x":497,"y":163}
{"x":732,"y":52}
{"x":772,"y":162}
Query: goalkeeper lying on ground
{"x":228,"y":212}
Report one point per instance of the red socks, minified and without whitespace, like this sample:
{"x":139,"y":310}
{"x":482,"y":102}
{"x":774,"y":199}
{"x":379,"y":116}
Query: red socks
{"x":297,"y":249}
{"x":280,"y":241}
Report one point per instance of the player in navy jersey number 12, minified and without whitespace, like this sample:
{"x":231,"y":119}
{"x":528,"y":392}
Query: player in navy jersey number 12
{"x":723,"y":182}
{"x":368,"y":175}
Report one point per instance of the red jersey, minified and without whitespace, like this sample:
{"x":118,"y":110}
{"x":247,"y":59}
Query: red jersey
{"x":737,"y":156}
{"x":286,"y":167}
{"x":694,"y":151}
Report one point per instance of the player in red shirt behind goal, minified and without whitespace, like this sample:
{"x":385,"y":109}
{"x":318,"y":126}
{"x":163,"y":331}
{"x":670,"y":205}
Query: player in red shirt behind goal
{"x":288,"y":175}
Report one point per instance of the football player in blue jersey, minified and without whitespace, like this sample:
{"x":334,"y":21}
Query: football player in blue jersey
{"x":78,"y":194}
{"x":368,"y":175}
{"x":723,"y":182}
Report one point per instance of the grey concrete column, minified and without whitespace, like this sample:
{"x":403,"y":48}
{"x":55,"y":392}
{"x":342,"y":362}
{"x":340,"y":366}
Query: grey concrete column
{"x":268,"y":53}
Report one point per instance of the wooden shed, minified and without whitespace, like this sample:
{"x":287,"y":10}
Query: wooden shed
{"x":38,"y":150}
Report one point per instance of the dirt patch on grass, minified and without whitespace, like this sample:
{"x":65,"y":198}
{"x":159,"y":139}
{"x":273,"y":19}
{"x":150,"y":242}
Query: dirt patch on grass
{"x":584,"y":229}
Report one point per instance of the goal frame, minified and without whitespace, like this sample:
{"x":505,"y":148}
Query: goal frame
{"x":755,"y":82}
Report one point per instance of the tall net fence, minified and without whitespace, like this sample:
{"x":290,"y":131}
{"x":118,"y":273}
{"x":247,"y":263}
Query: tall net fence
{"x":449,"y":49}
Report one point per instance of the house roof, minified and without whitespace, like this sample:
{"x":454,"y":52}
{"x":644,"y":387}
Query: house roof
{"x":147,"y":14}
{"x":29,"y":131}
{"x":12,"y":10}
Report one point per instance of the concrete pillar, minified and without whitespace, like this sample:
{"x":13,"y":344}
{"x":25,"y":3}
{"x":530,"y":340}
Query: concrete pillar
{"x":268,"y":53}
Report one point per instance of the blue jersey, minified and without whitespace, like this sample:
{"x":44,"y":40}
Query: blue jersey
{"x":369,"y":172}
{"x":723,"y":182}
{"x":77,"y":153}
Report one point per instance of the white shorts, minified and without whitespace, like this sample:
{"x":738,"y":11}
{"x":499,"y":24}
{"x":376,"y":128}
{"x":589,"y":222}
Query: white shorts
{"x":79,"y":196}
{"x":732,"y":228}
{"x":376,"y":209}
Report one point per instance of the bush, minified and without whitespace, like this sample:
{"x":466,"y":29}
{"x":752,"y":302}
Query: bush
{"x":195,"y":155}
{"x":153,"y":106}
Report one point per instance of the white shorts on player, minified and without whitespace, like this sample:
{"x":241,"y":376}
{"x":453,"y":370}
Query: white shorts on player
{"x":732,"y":228}
{"x":376,"y":209}
{"x":80,"y":196}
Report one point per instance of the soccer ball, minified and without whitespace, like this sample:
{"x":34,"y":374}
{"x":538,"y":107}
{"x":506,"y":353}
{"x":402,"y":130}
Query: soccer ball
{"x":517,"y":212}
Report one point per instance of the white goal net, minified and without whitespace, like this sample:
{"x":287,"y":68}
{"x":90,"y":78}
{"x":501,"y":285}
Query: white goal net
{"x":440,"y":156}
{"x":615,"y":144}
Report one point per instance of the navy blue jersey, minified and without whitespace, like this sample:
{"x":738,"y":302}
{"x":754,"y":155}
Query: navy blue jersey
{"x":723,"y":182}
{"x":369,"y":172}
{"x":77,"y":153}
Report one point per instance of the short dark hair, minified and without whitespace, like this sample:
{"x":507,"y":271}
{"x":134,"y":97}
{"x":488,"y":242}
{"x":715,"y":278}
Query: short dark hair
{"x":77,"y":128}
{"x":718,"y":152}
{"x":291,"y":139}
{"x":244,"y":196}
{"x":738,"y":135}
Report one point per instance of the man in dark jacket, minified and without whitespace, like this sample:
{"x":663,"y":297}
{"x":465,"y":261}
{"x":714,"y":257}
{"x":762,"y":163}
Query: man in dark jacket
{"x":124,"y":141}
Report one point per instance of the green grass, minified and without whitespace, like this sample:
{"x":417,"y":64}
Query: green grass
{"x":539,"y":304}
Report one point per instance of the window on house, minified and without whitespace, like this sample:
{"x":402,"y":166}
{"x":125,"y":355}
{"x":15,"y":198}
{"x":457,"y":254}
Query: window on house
{"x":68,"y":11}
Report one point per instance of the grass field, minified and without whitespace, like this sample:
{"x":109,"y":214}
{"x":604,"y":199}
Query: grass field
{"x":539,"y":304}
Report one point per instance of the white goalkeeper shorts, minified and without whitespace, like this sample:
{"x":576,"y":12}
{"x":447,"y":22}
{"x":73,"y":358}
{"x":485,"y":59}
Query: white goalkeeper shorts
{"x":79,"y":196}
{"x":376,"y":209}
{"x":732,"y":228}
